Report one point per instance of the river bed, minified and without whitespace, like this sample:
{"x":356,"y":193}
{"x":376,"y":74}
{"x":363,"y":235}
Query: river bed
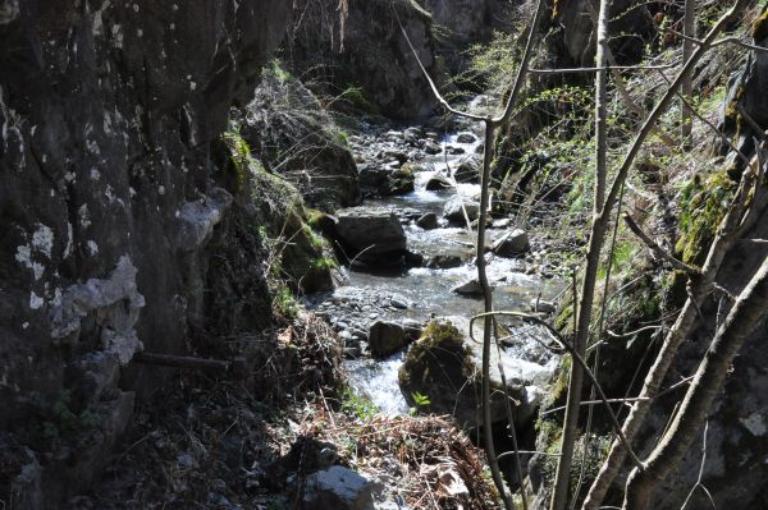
{"x":421,"y":293}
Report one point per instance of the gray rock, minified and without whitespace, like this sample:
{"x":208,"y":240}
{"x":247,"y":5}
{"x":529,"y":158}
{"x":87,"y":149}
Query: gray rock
{"x":431,"y":147}
{"x":373,"y":235}
{"x":437,"y":182}
{"x":427,"y":221}
{"x":455,"y":151}
{"x":466,"y":138}
{"x":541,"y":306}
{"x":386,"y":338}
{"x":468,"y":171}
{"x":441,"y":261}
{"x":512,"y":244}
{"x":471,"y":288}
{"x":337,"y":488}
{"x":454,"y":209}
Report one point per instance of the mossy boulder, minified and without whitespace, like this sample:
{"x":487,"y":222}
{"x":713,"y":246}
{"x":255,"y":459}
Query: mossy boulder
{"x":445,"y":366}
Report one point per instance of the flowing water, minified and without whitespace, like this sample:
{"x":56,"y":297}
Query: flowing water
{"x":421,"y":293}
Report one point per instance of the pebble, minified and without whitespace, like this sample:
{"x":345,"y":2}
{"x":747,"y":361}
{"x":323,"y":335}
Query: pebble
{"x":396,"y":303}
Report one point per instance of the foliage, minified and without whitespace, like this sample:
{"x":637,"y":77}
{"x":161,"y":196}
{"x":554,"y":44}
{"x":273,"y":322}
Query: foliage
{"x":357,"y":405}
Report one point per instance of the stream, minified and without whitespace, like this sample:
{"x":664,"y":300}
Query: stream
{"x":420,"y":293}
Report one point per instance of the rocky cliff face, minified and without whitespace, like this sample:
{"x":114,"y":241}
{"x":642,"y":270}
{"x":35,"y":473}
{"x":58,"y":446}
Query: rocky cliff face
{"x":364,"y":52}
{"x":109,"y":195}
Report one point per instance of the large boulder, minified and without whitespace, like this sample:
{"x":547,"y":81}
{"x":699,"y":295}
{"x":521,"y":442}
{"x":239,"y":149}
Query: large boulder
{"x":361,"y":56}
{"x":444,"y":366}
{"x":371,"y":236}
{"x":386,"y":338}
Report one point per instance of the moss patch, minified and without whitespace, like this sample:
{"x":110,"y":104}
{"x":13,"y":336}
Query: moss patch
{"x":703,"y":204}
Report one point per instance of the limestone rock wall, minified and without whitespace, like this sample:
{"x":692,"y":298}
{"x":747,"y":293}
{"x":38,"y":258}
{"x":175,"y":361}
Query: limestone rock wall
{"x":108,"y":197}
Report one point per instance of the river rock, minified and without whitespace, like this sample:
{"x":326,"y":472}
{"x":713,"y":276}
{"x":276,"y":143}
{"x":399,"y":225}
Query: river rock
{"x":442,"y":261}
{"x":466,"y":138}
{"x":401,"y":181}
{"x":454,"y":209}
{"x":431,"y":147}
{"x":541,"y":306}
{"x":455,"y":151}
{"x":472,"y":288}
{"x":468,"y":171}
{"x":376,"y":230}
{"x":437,"y":182}
{"x":427,"y":221}
{"x":386,"y":338}
{"x":444,"y":365}
{"x":339,"y":488}
{"x":512,"y":244}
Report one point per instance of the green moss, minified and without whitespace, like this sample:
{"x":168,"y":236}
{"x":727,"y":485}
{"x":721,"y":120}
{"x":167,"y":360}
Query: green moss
{"x":560,"y":386}
{"x":702,"y":207}
{"x":441,"y":338}
{"x":284,"y":303}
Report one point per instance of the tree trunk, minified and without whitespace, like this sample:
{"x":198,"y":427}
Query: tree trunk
{"x":689,"y":30}
{"x":581,"y":336}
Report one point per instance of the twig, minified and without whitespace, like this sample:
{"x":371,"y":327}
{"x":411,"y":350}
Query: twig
{"x":566,"y":347}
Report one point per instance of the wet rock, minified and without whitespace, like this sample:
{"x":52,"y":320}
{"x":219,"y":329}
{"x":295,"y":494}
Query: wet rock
{"x":541,"y":306}
{"x":455,"y":208}
{"x":437,"y":182}
{"x":427,"y":221}
{"x":413,"y":259}
{"x":377,"y":180}
{"x":444,"y":261}
{"x":444,"y":366}
{"x":455,"y":151}
{"x":468,"y":171}
{"x":339,"y":488}
{"x":471,"y":288}
{"x":398,"y":303}
{"x":431,"y":147}
{"x":373,"y":235}
{"x":398,"y":155}
{"x":512,"y":244}
{"x":386,"y":338}
{"x":466,"y":138}
{"x":402,"y":180}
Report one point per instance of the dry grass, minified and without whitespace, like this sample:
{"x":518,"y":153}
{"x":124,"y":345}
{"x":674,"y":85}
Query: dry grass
{"x":424,"y":460}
